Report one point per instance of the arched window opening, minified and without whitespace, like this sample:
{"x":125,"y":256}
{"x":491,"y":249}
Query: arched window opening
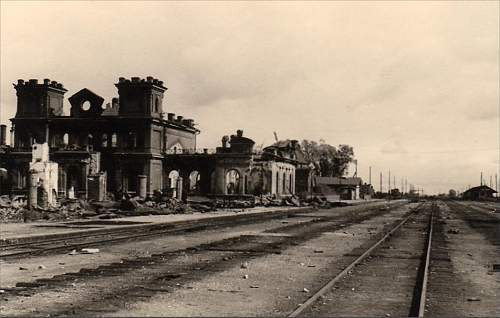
{"x":194,"y":181}
{"x":157,"y":105}
{"x":114,"y":140}
{"x":104,"y":140}
{"x":277,"y":182}
{"x":173,"y":178}
{"x":132,"y":140}
{"x":284,"y":182}
{"x":66,"y":139}
{"x":232,"y":181}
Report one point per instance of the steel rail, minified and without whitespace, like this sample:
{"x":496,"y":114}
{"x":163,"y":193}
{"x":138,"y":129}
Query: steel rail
{"x":328,"y":286}
{"x":425,"y":278}
{"x":35,"y":248}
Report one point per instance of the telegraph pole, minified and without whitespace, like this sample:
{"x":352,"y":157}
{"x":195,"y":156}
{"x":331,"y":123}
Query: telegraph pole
{"x":370,"y":175}
{"x":481,"y":178}
{"x":389,"y":189}
{"x":491,"y":183}
{"x":381,"y":183}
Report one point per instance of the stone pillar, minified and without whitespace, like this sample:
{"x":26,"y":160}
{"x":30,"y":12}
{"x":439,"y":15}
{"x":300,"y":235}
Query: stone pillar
{"x":220,"y":181}
{"x":179,"y":188}
{"x":142,"y":185}
{"x":32,"y":190}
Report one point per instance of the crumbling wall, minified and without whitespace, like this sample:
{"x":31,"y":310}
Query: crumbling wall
{"x":44,"y":172}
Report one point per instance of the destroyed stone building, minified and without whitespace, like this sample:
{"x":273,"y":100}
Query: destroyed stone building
{"x":126,"y":141}
{"x":130,"y":147}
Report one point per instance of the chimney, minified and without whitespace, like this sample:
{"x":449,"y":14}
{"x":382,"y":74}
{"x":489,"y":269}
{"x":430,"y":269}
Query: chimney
{"x":179,"y":118}
{"x":3,"y":135}
{"x":239,"y":133}
{"x":46,"y":81}
{"x":135,"y":79}
{"x":171,"y":116}
{"x":225,"y":139}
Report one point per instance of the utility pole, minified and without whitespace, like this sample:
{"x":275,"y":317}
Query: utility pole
{"x":381,"y":182}
{"x":481,"y":178}
{"x":370,"y":175}
{"x":402,"y":187}
{"x":389,"y":189}
{"x":496,"y":183}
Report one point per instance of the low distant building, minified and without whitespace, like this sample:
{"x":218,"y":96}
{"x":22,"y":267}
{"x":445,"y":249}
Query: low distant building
{"x":479,"y":193}
{"x":335,"y":188}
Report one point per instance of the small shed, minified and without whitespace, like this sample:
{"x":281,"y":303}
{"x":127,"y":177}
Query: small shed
{"x":479,"y":193}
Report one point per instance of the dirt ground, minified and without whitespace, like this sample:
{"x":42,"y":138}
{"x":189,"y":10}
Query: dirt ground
{"x":462,"y":282}
{"x":272,"y":278}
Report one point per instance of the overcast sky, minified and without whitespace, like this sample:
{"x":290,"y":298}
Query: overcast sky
{"x":413,"y":87}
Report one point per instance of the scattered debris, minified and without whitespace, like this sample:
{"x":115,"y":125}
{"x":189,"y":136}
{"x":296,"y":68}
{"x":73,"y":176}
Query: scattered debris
{"x":473,"y":299}
{"x":318,"y":251}
{"x":23,"y":268}
{"x":254,"y":286}
{"x":245,"y":276}
{"x":305,"y":290}
{"x":453,"y":231}
{"x":73,"y":252}
{"x":41,"y":267}
{"x":244,"y":265}
{"x":89,"y":250}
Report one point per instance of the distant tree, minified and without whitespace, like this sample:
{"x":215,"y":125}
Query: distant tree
{"x":452,"y":193}
{"x":328,"y":160}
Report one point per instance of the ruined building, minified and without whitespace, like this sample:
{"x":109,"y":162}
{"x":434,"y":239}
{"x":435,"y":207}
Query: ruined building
{"x":126,"y":141}
{"x":129,"y":146}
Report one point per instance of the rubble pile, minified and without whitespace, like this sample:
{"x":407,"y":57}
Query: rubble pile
{"x":11,"y":209}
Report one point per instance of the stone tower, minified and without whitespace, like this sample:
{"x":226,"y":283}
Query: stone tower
{"x":39,"y":100}
{"x":140,"y":97}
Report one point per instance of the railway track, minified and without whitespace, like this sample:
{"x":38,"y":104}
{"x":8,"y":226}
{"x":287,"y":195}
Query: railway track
{"x":418,"y":303}
{"x":110,"y":236}
{"x":146,"y":276}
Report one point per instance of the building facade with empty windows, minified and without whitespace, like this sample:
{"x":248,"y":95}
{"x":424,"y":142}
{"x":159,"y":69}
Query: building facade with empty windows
{"x":129,"y":137}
